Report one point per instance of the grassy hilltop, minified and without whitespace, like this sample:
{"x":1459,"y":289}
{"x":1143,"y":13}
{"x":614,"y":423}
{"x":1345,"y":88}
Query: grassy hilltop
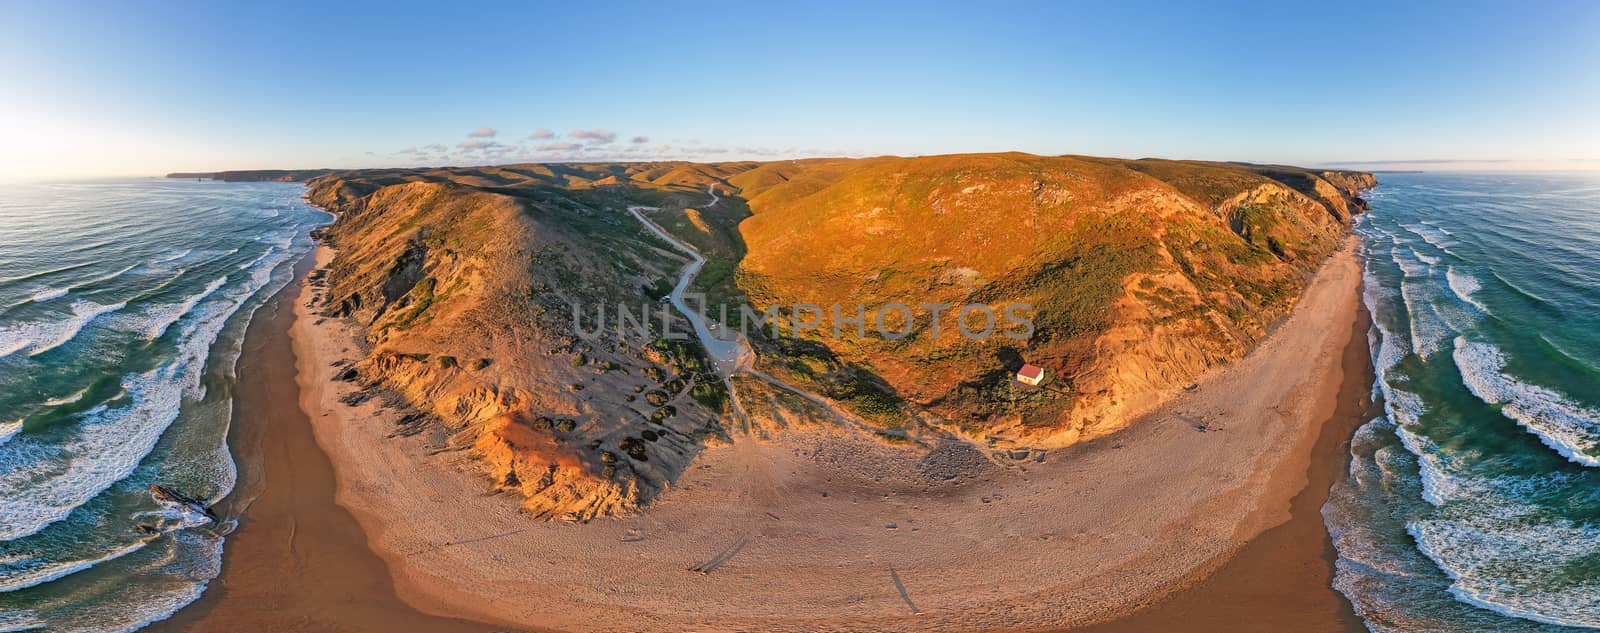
{"x":1141,"y":274}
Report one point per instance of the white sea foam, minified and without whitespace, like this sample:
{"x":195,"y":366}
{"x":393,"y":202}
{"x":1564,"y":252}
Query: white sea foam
{"x":1481,"y":554}
{"x":44,"y":481}
{"x":50,"y":293}
{"x":41,"y":482}
{"x":9,"y":430}
{"x":82,"y":314}
{"x":67,"y":399}
{"x":280,"y":241}
{"x":1466,"y":287}
{"x":30,"y":571}
{"x":1432,"y":235}
{"x":1565,"y":426}
{"x":1425,"y":258}
{"x":1428,"y":330}
{"x":44,"y":273}
{"x":12,"y":342}
{"x":175,"y":256}
{"x":1411,"y":266}
{"x":1387,"y":348}
{"x":16,"y":621}
{"x":257,"y":260}
{"x":262,"y":273}
{"x":107,"y":277}
{"x":1404,"y":409}
{"x":56,"y":293}
{"x":1482,"y":531}
{"x":39,"y":337}
{"x":163,"y":316}
{"x":191,"y":557}
{"x":212,"y":256}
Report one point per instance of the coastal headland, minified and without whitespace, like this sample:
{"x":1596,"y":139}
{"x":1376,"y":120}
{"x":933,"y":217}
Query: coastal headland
{"x":798,"y":496}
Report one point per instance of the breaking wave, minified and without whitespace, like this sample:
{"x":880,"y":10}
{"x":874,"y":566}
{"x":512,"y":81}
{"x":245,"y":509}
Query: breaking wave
{"x":50,"y":293}
{"x":162,"y":317}
{"x":1465,"y":286}
{"x":83,"y":546}
{"x":40,"y":337}
{"x":1449,"y":519}
{"x":9,"y":430}
{"x":1566,"y":427}
{"x":41,"y":481}
{"x":68,"y":399}
{"x":175,"y":256}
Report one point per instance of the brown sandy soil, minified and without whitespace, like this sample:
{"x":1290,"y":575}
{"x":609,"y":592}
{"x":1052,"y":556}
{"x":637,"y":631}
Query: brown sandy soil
{"x":298,"y":562}
{"x":815,"y":529}
{"x":1281,"y":580}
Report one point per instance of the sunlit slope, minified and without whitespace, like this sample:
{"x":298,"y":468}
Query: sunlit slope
{"x":1141,"y":275}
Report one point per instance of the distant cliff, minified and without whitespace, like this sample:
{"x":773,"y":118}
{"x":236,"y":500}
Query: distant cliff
{"x":256,"y":175}
{"x":1141,"y":275}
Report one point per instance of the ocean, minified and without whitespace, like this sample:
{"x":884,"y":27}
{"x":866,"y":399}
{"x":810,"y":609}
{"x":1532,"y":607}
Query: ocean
{"x":122,"y":311}
{"x":1472,"y":502}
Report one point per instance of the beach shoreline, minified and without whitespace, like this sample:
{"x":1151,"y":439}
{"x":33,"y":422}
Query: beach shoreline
{"x":1282,"y":579}
{"x":1050,"y":546}
{"x":297,"y":562}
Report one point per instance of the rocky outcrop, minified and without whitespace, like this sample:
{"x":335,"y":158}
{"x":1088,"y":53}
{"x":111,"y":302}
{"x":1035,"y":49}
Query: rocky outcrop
{"x":465,"y":296}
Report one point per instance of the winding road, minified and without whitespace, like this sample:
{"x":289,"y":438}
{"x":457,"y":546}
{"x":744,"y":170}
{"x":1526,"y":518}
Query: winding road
{"x":730,"y":356}
{"x":727,"y":355}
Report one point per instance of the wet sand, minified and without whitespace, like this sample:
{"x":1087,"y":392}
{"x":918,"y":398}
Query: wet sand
{"x":1283,"y":579}
{"x":298,"y":562}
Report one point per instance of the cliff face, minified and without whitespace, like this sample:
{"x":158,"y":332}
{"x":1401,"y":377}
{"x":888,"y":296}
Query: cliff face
{"x":465,"y":296}
{"x":1140,"y":275}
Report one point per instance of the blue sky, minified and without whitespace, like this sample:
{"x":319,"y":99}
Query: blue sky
{"x":89,"y":89}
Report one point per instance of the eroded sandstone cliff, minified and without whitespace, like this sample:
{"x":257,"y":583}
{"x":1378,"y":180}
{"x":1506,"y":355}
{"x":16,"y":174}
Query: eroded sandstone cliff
{"x":466,"y":296}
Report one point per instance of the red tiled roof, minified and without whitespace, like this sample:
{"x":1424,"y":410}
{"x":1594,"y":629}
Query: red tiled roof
{"x":1030,"y":371}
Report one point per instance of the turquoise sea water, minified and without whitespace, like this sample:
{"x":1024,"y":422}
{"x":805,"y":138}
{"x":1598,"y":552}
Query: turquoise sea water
{"x":1473,"y":502}
{"x":122,"y":306}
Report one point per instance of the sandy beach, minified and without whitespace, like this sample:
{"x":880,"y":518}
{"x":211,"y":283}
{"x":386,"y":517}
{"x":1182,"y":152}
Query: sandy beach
{"x":813,"y":529}
{"x":1282,"y":580}
{"x":298,"y":562}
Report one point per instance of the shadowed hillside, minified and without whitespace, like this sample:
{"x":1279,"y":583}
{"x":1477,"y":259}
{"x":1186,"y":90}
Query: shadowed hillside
{"x":1140,"y":275}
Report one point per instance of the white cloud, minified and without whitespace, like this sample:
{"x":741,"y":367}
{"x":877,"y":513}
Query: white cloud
{"x":559,"y":146}
{"x":482,"y":132}
{"x":639,"y":139}
{"x":477,"y":145}
{"x":596,"y":134}
{"x":540,"y":134}
{"x":407,"y":150}
{"x":436,"y":147}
